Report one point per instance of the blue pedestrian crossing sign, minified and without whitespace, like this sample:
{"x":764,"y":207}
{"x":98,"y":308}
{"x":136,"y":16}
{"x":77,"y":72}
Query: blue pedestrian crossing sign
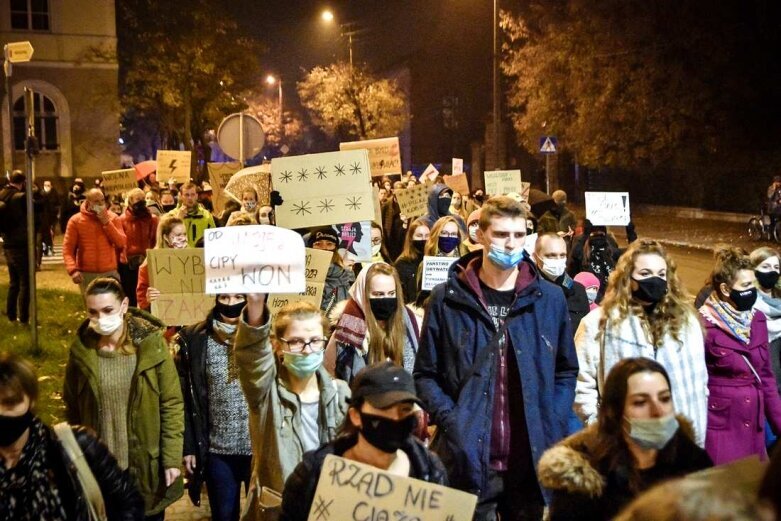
{"x":548,"y":144}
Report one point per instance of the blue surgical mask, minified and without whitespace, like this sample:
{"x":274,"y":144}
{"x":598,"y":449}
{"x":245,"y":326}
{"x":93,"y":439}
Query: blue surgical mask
{"x":652,"y":433}
{"x":303,"y":366}
{"x":505,"y":260}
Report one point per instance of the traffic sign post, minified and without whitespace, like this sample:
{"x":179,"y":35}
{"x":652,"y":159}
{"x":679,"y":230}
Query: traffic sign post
{"x":241,"y":136}
{"x":31,"y":149}
{"x":14,"y":52}
{"x":548,"y":146}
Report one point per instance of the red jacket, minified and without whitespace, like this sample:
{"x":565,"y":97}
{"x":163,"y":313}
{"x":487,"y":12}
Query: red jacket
{"x":89,"y":246}
{"x":142,"y":286}
{"x":140,"y":233}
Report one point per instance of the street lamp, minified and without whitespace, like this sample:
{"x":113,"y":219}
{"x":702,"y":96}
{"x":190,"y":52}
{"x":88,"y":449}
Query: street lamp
{"x":271,"y":80}
{"x":328,"y":17}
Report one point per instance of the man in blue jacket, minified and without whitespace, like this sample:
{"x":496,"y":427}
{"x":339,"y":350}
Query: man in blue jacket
{"x":496,"y":368}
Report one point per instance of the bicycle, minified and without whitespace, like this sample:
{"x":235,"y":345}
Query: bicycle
{"x":759,"y":226}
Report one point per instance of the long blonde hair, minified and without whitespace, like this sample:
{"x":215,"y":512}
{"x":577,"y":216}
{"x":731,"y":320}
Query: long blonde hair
{"x":759,"y":256}
{"x":388,"y":342}
{"x":670,"y":315}
{"x":432,"y":245}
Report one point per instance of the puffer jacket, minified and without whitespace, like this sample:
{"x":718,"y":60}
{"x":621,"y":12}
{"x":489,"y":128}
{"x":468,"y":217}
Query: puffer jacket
{"x":582,"y":489}
{"x":156,"y":410}
{"x":89,"y":245}
{"x":301,"y":485}
{"x":140,"y":234}
{"x":275,"y":414}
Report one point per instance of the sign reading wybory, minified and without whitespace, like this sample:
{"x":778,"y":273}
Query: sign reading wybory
{"x":322,"y":189}
{"x":317,"y":263}
{"x":179,"y":276}
{"x":607,"y":208}
{"x":413,"y":202}
{"x":174,"y":164}
{"x":117,"y":182}
{"x":351,"y":490}
{"x":384,"y":154}
{"x":254,"y":259}
{"x":498,"y":182}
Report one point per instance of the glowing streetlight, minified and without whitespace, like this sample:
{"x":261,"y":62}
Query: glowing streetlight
{"x":271,"y":80}
{"x":327,"y":16}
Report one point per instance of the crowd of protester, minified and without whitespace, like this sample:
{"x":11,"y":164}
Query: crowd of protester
{"x":560,"y":375}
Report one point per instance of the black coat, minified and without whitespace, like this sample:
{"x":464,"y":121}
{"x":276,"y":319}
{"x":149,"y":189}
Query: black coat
{"x":120,"y":495}
{"x":13,"y":213}
{"x":301,"y":484}
{"x":577,"y":300}
{"x":408,"y":275}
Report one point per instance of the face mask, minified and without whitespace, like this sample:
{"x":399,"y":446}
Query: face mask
{"x":229,"y":310}
{"x":168,"y":207}
{"x":250,"y":205}
{"x":598,"y":242}
{"x":473,"y":232}
{"x":652,"y":433}
{"x":419,"y":245}
{"x":443,"y":206}
{"x":77,"y":189}
{"x":529,"y":231}
{"x":97,"y":208}
{"x":12,"y":427}
{"x":303,"y":366}
{"x":651,"y":289}
{"x":767,"y":279}
{"x":179,"y":241}
{"x":139,"y":207}
{"x":591,"y":293}
{"x":376,"y":249}
{"x":447,"y":244}
{"x":478,"y":198}
{"x":383,"y":307}
{"x":743,"y":300}
{"x":264,"y":219}
{"x":47,"y":189}
{"x":107,"y":324}
{"x":386,"y":434}
{"x":503,"y":259}
{"x":554,"y":268}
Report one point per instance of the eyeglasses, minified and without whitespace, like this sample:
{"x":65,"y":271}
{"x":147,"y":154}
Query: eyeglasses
{"x":376,"y":241}
{"x":448,"y":234}
{"x":297,"y":345}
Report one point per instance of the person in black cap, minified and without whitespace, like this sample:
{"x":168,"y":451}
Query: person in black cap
{"x":339,"y":279}
{"x":377,"y":431}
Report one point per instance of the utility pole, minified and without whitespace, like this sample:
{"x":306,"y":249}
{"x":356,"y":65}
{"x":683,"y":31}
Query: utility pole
{"x":31,"y":149}
{"x":496,"y":91}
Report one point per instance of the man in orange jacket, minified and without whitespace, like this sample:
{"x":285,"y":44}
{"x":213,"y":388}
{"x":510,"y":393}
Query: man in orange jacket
{"x":91,"y":241}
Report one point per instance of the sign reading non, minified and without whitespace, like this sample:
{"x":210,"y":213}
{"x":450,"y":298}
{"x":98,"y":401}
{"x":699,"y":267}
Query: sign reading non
{"x":608,"y":208}
{"x":179,"y":276}
{"x":254,"y":259}
{"x":321,"y":189}
{"x":118,"y":182}
{"x":435,"y":271}
{"x":317,"y":264}
{"x":174,"y":164}
{"x":498,"y":182}
{"x":413,"y":202}
{"x":384,"y":154}
{"x":351,"y":490}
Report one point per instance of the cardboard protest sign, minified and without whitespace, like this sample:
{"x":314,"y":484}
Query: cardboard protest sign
{"x":348,"y":489}
{"x":179,"y":276}
{"x":435,"y":271}
{"x":498,"y":182}
{"x":317,"y":264}
{"x":525,"y":189}
{"x":429,"y":174}
{"x":219,"y":175}
{"x":608,"y":208}
{"x":321,"y":189}
{"x":356,"y":238}
{"x":377,"y":205}
{"x":457,"y":183}
{"x":174,"y":164}
{"x":458,"y":166}
{"x":413,"y":202}
{"x":384,"y":154}
{"x":118,"y":182}
{"x":254,"y":177}
{"x":254,"y":259}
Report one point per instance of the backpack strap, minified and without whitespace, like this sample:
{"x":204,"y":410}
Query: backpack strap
{"x":89,"y":485}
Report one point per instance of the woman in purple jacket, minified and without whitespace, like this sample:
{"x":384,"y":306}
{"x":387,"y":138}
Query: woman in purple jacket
{"x":742,"y":387}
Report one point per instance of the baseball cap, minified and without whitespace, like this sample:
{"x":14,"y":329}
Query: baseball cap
{"x":383,"y":385}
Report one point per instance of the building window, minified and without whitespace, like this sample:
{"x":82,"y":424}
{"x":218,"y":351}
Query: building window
{"x":30,"y":15}
{"x":45,"y":122}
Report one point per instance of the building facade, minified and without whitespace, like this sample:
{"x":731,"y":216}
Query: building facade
{"x":74,"y":75}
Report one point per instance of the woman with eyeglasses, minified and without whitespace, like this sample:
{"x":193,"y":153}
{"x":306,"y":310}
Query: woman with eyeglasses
{"x":294,"y":404}
{"x":446,"y":240}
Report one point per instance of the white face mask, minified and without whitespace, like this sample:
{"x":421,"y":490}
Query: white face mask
{"x":591,"y":293}
{"x":250,"y":205}
{"x":554,"y":268}
{"x":107,"y":324}
{"x":376,"y":249}
{"x":97,"y":208}
{"x":178,"y":242}
{"x":473,"y":232}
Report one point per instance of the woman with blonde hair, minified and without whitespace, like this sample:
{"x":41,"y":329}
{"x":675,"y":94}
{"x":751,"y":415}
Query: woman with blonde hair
{"x":767,"y":267}
{"x":742,"y":389}
{"x":375,"y":326}
{"x":646,"y":313}
{"x":171,"y":233}
{"x":445,"y":239}
{"x":411,"y":256}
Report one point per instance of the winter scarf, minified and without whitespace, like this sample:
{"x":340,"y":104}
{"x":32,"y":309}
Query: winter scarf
{"x":728,"y":319}
{"x":771,"y":307}
{"x":27,"y":492}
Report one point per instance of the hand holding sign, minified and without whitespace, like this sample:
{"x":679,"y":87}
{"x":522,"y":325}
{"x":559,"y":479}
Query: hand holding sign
{"x":608,"y":208}
{"x":254,"y":259}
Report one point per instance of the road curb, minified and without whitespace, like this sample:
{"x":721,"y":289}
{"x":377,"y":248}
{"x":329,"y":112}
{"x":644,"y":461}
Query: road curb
{"x":682,"y":244}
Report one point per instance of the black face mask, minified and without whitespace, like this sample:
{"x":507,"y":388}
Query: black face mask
{"x":478,"y":198}
{"x":383,"y":307}
{"x":229,"y":311}
{"x":443,"y":206}
{"x":419,"y":245}
{"x":169,"y":207}
{"x":139,"y":208}
{"x":529,"y":231}
{"x":651,"y":289}
{"x":598,"y":242}
{"x":743,"y":300}
{"x":767,"y":279}
{"x":386,"y":434}
{"x":12,"y":427}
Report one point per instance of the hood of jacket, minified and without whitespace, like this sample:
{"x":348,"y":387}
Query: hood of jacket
{"x":433,"y":197}
{"x":567,"y":466}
